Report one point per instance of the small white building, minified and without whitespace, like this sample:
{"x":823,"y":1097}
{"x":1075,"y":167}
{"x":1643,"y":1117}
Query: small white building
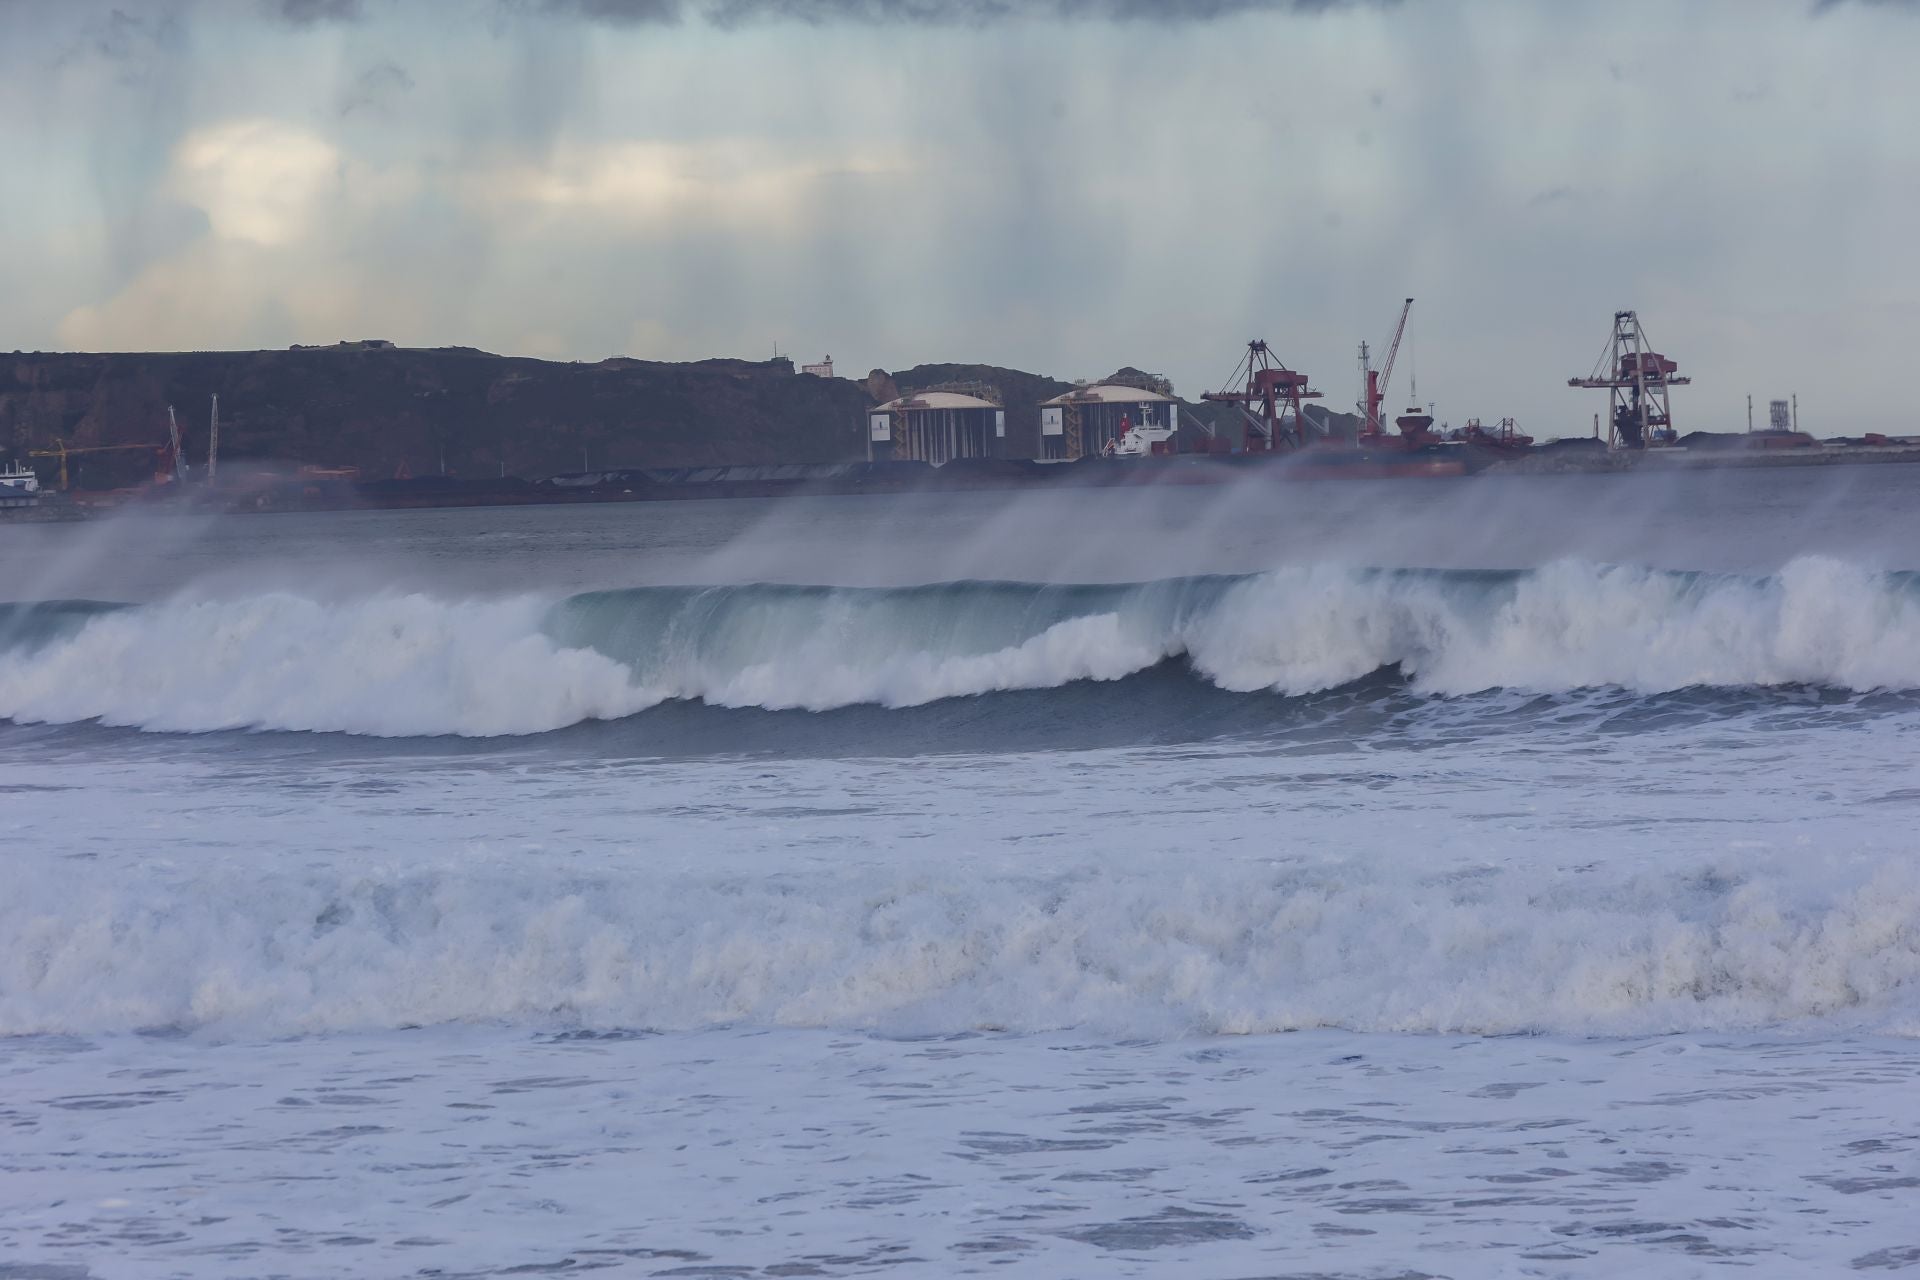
{"x":936,"y":427}
{"x":1089,"y":421}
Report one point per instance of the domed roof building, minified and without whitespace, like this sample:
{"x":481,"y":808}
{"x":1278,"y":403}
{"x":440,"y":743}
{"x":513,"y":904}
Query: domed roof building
{"x":937,"y":425}
{"x":1091,"y":419}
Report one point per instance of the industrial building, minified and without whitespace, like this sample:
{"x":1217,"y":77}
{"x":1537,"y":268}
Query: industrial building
{"x":1089,"y":420}
{"x":937,"y":425}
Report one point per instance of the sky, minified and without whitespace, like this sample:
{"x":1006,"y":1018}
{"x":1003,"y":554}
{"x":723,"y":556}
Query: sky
{"x":1062,"y":186}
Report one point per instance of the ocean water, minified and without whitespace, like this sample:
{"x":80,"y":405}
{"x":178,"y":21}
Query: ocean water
{"x":1495,"y":878}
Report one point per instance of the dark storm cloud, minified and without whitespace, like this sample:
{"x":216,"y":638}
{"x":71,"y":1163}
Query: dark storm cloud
{"x":376,"y":89}
{"x":619,"y":12}
{"x":727,"y":13}
{"x":140,"y":44}
{"x":967,"y":13}
{"x":309,"y":13}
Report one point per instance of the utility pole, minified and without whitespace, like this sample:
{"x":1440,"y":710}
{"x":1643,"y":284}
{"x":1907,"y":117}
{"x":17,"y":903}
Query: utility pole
{"x":213,"y":441}
{"x":1796,"y":411}
{"x":1749,"y":413}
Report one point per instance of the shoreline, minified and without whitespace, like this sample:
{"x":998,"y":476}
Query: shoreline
{"x":265,"y":495}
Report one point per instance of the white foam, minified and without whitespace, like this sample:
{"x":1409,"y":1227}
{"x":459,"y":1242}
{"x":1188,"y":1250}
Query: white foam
{"x":388,"y":666}
{"x":395,"y":665}
{"x":1224,"y":948}
{"x":1567,"y":625}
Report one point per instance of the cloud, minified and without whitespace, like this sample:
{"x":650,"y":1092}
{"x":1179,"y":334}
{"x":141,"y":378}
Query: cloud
{"x":257,"y":180}
{"x":618,"y":12}
{"x":312,"y":13}
{"x":142,"y":46}
{"x":736,"y":182}
{"x":377,"y":89}
{"x":728,"y":14}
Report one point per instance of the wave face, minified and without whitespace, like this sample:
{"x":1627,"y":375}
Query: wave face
{"x":1221,"y":949}
{"x":415,"y":665}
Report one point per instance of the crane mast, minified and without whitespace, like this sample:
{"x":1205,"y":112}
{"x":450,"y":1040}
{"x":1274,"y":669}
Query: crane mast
{"x":1377,"y":380}
{"x":173,"y":436}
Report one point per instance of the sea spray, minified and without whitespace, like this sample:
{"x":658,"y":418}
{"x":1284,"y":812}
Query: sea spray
{"x":417,"y":665}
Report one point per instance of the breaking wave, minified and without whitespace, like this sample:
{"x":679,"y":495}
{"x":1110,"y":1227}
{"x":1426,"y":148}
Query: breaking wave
{"x":416,"y":665}
{"x":1210,"y":949}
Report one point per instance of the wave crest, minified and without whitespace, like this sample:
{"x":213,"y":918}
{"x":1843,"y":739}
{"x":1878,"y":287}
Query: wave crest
{"x":414,"y":665}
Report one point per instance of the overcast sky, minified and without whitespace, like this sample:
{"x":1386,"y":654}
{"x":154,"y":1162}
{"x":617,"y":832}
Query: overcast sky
{"x":1063,"y":186}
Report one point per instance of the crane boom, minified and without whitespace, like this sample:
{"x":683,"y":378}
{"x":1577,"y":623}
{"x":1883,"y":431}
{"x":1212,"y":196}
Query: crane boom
{"x":173,"y":436}
{"x":1399,"y":332}
{"x":1375,"y":424}
{"x":62,"y":450}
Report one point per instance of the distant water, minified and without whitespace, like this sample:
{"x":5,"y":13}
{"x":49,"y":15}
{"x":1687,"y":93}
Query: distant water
{"x":1471,"y":878}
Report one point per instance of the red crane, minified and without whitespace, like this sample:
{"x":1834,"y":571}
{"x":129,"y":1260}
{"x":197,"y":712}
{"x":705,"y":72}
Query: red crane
{"x":1636,"y":378}
{"x":1271,"y":391}
{"x":1377,"y":380}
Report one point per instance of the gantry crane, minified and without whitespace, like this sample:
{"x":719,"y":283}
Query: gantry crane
{"x":1636,"y":378}
{"x":1271,"y":390}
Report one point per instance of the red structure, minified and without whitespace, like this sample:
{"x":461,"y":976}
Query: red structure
{"x":1270,"y":400}
{"x":1636,"y":378}
{"x":1373,"y":423}
{"x":1504,"y":437}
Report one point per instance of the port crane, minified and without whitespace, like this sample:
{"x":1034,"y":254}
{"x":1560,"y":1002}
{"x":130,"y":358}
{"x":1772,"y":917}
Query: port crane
{"x":1270,"y":400}
{"x":63,"y":451}
{"x":1373,"y":420}
{"x":173,"y":438}
{"x":1637,"y":378}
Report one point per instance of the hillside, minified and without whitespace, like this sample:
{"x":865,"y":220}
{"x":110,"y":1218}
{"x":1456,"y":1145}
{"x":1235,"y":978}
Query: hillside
{"x":388,"y":411}
{"x":399,"y":411}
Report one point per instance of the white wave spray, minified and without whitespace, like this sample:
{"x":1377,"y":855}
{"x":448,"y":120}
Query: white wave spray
{"x":414,"y":665}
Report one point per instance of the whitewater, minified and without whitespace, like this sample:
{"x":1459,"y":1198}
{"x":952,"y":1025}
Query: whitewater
{"x":849,"y":885}
{"x":414,"y":665}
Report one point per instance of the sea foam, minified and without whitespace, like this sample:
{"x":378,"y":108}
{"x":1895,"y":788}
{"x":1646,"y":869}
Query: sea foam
{"x":416,"y":665}
{"x":1226,"y":948}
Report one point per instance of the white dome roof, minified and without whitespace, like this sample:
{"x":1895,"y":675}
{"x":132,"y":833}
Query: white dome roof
{"x":1109,"y":393}
{"x":935,"y":400}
